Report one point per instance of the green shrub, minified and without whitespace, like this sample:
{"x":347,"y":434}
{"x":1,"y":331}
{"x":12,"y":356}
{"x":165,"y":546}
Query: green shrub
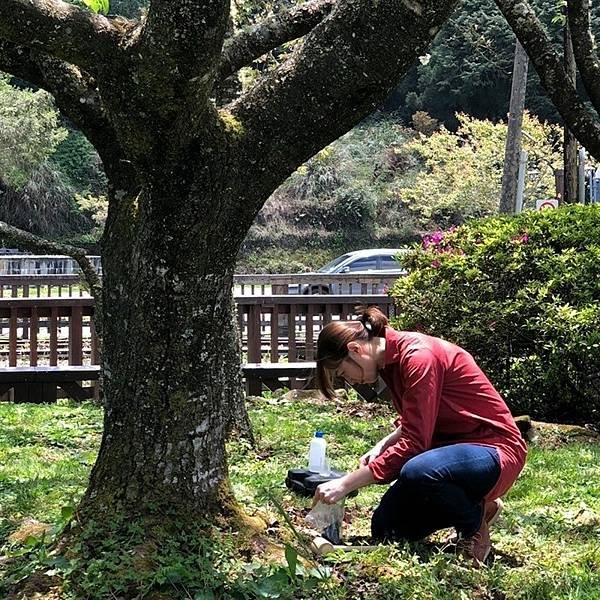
{"x":354,"y":209}
{"x":462,"y":173}
{"x":521,"y":294}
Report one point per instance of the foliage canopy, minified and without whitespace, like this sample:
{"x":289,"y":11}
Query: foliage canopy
{"x":29,"y":132}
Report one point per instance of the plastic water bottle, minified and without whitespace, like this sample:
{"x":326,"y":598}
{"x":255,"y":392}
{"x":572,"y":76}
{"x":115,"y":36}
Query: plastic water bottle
{"x":316,"y":454}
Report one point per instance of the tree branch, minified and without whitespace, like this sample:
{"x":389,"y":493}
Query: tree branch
{"x":583,"y":122}
{"x":249,"y":44}
{"x":343,"y":69}
{"x":60,"y":29}
{"x":578,"y":14}
{"x":74,"y":92}
{"x":37,"y":244}
{"x":185,"y":38}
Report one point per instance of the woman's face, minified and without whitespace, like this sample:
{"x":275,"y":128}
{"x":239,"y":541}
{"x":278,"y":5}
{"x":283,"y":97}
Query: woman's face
{"x":360,"y":366}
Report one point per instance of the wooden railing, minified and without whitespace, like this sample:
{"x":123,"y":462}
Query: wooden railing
{"x":61,"y":331}
{"x":24,"y":286}
{"x":286,"y":327}
{"x":41,"y":286}
{"x":51,"y":331}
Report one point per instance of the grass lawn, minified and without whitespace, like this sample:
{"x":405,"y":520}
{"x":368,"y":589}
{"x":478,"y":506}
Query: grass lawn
{"x":547,"y":542}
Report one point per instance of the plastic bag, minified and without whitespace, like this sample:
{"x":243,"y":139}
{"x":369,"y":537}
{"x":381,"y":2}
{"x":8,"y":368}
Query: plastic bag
{"x":328,"y":518}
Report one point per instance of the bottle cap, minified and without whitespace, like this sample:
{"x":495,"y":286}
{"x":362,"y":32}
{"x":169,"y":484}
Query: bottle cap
{"x":319,"y":434}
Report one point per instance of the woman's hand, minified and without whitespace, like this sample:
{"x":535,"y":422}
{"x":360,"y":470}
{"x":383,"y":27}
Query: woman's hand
{"x":331,"y":492}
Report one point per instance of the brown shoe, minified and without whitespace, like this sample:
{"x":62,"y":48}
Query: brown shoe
{"x":491,"y":512}
{"x":476,"y":548}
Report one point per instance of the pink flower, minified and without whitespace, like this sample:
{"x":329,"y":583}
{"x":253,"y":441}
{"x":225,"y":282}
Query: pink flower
{"x":436,"y":264}
{"x":520,"y":239}
{"x":437,"y":237}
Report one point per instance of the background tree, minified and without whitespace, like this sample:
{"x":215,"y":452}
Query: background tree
{"x":470,"y":65}
{"x":34,"y":192}
{"x":579,"y":115}
{"x":29,"y":132}
{"x":462,"y":178}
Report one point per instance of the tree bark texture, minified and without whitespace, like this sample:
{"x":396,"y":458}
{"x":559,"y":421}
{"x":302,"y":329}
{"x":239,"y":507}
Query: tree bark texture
{"x":586,"y":54}
{"x":171,"y":361}
{"x":248,"y":45}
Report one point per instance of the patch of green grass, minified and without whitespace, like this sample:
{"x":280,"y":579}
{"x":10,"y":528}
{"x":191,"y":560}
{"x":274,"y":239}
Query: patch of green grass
{"x":46,"y":452}
{"x":283,"y":432}
{"x":547,"y":542}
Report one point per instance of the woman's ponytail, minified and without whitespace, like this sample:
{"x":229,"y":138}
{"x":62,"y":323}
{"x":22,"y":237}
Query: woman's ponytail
{"x":373,"y":319}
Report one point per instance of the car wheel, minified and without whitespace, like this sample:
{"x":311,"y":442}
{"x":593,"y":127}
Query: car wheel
{"x":317,"y":289}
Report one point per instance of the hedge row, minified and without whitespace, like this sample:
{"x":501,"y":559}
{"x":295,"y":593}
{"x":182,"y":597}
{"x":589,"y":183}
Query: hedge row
{"x":522,"y":295}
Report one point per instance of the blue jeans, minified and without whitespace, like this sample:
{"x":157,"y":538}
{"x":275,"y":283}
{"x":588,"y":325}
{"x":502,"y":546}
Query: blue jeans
{"x":439,"y":488}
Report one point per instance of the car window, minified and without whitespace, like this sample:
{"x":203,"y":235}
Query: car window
{"x":328,"y":268}
{"x":368,"y":263}
{"x":389,"y":262}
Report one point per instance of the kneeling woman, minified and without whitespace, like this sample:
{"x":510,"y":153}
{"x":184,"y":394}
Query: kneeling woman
{"x":456,"y":448}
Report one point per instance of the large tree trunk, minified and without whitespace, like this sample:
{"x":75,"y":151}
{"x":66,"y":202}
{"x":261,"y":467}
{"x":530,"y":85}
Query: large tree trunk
{"x":170,"y":356}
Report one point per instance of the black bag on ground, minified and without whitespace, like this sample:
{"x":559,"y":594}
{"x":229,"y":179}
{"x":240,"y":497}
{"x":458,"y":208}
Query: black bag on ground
{"x":305,"y":482}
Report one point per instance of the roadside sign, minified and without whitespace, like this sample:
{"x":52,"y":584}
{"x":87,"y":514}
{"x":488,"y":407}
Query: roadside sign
{"x":546,"y":204}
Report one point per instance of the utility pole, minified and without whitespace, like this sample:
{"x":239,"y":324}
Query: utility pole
{"x":581,"y":177}
{"x":569,"y":142}
{"x":521,"y":181}
{"x":512,"y":152}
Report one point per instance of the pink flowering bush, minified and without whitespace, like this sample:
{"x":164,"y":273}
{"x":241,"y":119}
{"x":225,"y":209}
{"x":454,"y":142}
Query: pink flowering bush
{"x":522,"y":294}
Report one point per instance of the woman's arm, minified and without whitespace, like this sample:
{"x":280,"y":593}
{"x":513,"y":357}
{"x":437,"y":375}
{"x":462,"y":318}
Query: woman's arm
{"x":334,"y":490}
{"x":380,"y":446}
{"x":423,"y":379}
